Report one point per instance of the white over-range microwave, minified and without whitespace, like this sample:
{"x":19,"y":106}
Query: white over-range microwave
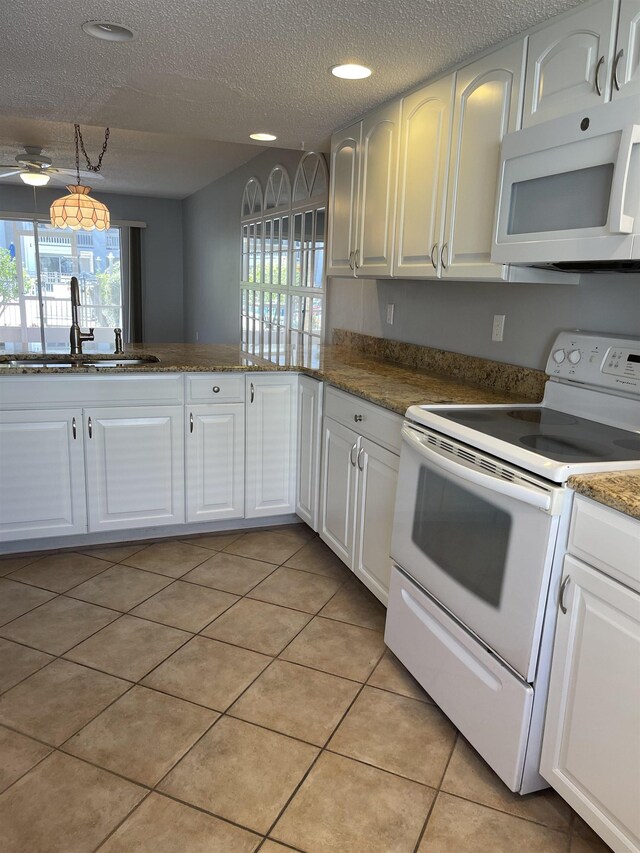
{"x":569,"y":192}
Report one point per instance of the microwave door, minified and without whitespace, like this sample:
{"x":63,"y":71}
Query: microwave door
{"x":480,"y":545}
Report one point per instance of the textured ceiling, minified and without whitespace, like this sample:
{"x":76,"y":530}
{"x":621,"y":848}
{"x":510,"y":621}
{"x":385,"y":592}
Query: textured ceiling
{"x":204,"y":72}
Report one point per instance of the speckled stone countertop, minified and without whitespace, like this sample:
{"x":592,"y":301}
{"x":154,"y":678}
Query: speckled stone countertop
{"x":394,"y":385}
{"x":617,"y":489}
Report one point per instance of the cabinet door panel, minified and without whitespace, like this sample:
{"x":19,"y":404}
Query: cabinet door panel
{"x":338,"y":489}
{"x":135,"y":466}
{"x":376,"y":497}
{"x":309,"y":438}
{"x":215,"y":462}
{"x":41,"y":474}
{"x":563,"y":60}
{"x":343,"y":199}
{"x":628,"y":66}
{"x":591,"y":748}
{"x":486,"y":108}
{"x":424,"y":154}
{"x":379,"y":170}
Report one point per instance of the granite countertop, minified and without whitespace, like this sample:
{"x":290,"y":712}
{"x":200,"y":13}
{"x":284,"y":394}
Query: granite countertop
{"x":616,"y":489}
{"x":390,"y":384}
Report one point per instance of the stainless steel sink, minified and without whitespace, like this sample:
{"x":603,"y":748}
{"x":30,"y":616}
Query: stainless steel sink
{"x":85,"y":361}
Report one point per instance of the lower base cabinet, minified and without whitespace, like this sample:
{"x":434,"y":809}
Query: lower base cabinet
{"x":337,"y":503}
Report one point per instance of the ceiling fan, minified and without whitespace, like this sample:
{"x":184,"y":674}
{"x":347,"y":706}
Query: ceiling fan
{"x":35,"y":169}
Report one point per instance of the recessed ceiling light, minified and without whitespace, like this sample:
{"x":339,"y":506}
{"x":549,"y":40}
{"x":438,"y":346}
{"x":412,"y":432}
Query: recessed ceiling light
{"x":263,"y":137}
{"x":351,"y":71}
{"x":107,"y":31}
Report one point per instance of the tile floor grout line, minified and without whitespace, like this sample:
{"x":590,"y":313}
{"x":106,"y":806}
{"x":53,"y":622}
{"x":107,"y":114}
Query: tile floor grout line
{"x":62,"y":592}
{"x":119,"y":824}
{"x":438,"y":790}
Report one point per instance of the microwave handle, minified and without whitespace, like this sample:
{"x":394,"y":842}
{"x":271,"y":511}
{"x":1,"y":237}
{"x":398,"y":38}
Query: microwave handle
{"x":529,"y":495}
{"x":619,"y":222}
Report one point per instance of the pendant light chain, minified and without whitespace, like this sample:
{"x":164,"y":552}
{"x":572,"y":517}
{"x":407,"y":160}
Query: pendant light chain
{"x":80,"y":145}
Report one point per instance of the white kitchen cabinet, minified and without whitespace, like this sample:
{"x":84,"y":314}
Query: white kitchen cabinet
{"x":134,"y":466}
{"x":591,"y":744}
{"x":626,"y":66}
{"x":271,"y":438}
{"x":41,"y":474}
{"x":424,"y":156}
{"x":337,"y":509}
{"x":214,"y":461}
{"x":570,"y":62}
{"x":309,"y":446}
{"x":343,"y":199}
{"x":486,"y":107}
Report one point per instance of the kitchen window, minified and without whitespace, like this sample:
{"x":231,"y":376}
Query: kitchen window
{"x":283,"y":262}
{"x":38,"y":318}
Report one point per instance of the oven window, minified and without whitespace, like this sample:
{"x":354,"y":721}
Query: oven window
{"x":564,"y":202}
{"x":465,"y":536}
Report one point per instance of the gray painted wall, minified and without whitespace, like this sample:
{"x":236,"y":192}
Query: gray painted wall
{"x":212,"y":249}
{"x":162,"y":293}
{"x":458,"y":316}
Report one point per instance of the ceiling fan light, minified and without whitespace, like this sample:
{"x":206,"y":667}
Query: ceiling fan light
{"x":35,"y":179}
{"x":79,"y":211}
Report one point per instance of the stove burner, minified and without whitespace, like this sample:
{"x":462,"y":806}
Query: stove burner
{"x":546,"y":417}
{"x":628,"y":443}
{"x":564,"y":447}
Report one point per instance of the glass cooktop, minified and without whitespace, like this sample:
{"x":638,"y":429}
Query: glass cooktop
{"x":554,"y":435}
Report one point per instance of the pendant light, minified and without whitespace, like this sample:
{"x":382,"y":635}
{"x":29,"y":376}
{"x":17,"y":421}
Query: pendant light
{"x":79,"y":210}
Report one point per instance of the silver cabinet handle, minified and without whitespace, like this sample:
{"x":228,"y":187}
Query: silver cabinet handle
{"x":356,"y":259}
{"x":563,"y":588}
{"x":351,"y":254}
{"x":90,"y":426}
{"x":445,"y":248}
{"x":619,"y":56}
{"x":357,"y":418}
{"x":434,"y":251}
{"x":216,"y":389}
{"x":351,"y":452}
{"x":190,"y":421}
{"x":596,"y":79}
{"x":74,"y":429}
{"x":360,"y":452}
{"x":253,"y":393}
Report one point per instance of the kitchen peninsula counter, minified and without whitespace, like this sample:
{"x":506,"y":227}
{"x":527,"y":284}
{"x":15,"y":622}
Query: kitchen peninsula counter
{"x":619,"y":490}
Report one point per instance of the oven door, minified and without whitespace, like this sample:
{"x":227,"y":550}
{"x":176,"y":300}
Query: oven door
{"x":479,"y":537}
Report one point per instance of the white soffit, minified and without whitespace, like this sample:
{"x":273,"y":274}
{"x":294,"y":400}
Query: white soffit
{"x":205,"y":70}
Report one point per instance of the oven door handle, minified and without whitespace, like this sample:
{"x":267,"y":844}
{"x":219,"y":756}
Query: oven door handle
{"x":527,"y":494}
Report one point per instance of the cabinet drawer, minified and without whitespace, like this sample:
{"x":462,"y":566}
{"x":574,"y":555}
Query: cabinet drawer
{"x":606,"y":539}
{"x":215,"y":388}
{"x":365,"y":418}
{"x":41,"y":390}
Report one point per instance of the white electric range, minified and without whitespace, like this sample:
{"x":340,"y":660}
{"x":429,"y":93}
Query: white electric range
{"x":480,"y":529}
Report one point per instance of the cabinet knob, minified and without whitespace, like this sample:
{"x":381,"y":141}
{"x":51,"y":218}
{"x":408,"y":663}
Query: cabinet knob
{"x":357,"y":418}
{"x":216,"y":389}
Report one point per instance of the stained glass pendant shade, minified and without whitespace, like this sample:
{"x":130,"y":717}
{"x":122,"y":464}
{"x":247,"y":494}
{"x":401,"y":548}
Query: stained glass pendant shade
{"x":79,"y":210}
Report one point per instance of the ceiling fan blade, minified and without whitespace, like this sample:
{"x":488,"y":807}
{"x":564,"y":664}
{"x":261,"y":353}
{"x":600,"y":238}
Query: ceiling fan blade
{"x":86,"y":176}
{"x":10,"y":174}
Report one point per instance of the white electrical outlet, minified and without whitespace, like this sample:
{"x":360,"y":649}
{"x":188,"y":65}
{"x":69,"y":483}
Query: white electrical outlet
{"x":497,"y":333}
{"x":390,"y":310}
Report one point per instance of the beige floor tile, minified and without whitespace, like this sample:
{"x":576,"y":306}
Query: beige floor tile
{"x":241,"y":772}
{"x":456,"y":825}
{"x":19,"y":754}
{"x":11,"y":564}
{"x":58,"y":625}
{"x":346,"y":806}
{"x":114,"y":553}
{"x":585,"y":839}
{"x":337,"y":648}
{"x":59,"y":572}
{"x":171,"y":558}
{"x":63,"y":806}
{"x":17,"y":662}
{"x":296,"y":701}
{"x":55,"y":702}
{"x":301,"y":533}
{"x":468,"y":776}
{"x":18,"y":598}
{"x":391,"y":675}
{"x":266,"y":545}
{"x":160,"y":825}
{"x":273,"y":847}
{"x":129,"y":648}
{"x":257,"y":625}
{"x":230,"y":573}
{"x":208,"y":672}
{"x":120,"y":587}
{"x":213,"y":541}
{"x":353,"y":603}
{"x":142,"y":735}
{"x":316,"y":557}
{"x":186,"y":606}
{"x":299,"y":590}
{"x":398,"y":734}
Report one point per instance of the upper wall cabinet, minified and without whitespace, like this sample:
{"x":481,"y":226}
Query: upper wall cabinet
{"x":362,"y":199}
{"x":576,"y":61}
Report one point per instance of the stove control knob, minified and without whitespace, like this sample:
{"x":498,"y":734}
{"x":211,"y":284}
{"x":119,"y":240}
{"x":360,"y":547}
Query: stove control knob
{"x":574,"y":356}
{"x":558,"y":356}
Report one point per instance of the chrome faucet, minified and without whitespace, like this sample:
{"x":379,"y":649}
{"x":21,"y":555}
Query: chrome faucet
{"x":76,"y":337}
